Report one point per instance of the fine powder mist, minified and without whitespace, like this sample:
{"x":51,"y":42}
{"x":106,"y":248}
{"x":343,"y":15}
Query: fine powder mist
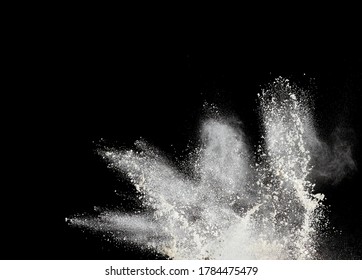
{"x":236,"y":202}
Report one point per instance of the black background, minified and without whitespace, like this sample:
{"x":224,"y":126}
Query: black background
{"x":96,"y":84}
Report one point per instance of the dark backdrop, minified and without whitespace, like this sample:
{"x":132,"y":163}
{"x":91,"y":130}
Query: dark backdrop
{"x":98,"y":85}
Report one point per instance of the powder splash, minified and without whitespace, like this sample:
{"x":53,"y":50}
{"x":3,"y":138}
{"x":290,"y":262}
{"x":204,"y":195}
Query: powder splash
{"x":231,"y":205}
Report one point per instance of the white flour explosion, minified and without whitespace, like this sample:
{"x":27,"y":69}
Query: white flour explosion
{"x":232,"y":205}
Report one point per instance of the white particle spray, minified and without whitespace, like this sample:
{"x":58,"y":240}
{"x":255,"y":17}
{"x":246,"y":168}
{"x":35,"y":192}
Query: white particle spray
{"x":231,"y":205}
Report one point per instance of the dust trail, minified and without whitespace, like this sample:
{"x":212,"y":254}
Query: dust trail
{"x":231,"y":205}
